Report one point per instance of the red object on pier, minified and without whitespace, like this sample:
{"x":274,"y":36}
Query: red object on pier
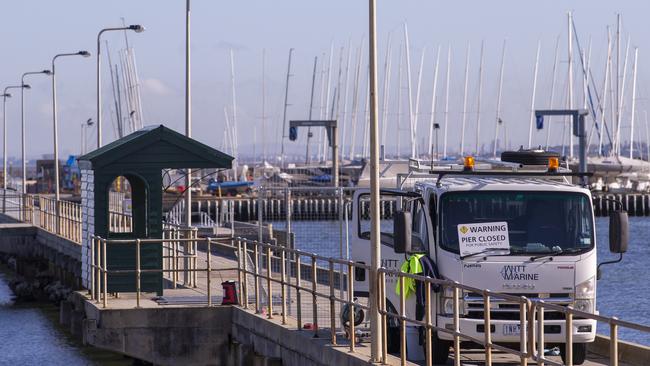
{"x":229,"y":293}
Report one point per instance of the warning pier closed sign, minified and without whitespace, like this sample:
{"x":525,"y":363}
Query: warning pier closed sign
{"x":475,"y":238}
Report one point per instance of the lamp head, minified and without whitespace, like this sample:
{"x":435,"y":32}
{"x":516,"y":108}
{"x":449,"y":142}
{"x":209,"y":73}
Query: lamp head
{"x":47,"y":72}
{"x":90,"y":122}
{"x":84,"y":53}
{"x":26,"y":86}
{"x":137,"y":28}
{"x":6,"y":95}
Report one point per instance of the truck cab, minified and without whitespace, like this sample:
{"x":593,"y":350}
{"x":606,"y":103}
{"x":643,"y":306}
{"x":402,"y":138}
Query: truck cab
{"x":510,"y":228}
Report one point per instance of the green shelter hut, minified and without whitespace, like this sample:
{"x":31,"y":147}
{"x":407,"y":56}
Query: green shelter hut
{"x":140,"y":158}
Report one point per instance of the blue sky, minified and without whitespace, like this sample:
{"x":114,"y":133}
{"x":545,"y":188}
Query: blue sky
{"x":33,"y":31}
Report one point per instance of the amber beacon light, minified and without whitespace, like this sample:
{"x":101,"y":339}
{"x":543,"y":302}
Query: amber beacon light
{"x":468,"y":164}
{"x":553,"y":164}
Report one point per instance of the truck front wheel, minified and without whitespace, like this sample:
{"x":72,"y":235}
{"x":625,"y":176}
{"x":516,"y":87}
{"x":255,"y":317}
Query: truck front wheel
{"x":579,"y":353}
{"x":439,"y":349}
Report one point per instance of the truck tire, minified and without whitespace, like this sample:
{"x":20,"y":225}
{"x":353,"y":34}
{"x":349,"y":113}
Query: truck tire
{"x":439,"y":350}
{"x":529,"y":157}
{"x":579,"y":353}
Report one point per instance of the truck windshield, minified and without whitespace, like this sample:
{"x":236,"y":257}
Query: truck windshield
{"x":537,"y":222}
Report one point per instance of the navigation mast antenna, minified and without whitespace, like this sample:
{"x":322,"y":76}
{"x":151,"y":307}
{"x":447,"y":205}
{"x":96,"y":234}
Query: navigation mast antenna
{"x":532,"y":99}
{"x":432,"y":118}
{"x":498,"y":117}
{"x":462,"y":129}
{"x":478,"y":107}
{"x":284,"y":113}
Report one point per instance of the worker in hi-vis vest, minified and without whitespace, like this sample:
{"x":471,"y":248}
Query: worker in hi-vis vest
{"x":418,"y":263}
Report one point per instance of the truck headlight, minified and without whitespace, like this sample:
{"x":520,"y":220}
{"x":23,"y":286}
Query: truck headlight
{"x":586,"y":290}
{"x":586,"y":305}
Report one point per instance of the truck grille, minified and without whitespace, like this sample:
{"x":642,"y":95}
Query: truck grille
{"x":508,"y":310}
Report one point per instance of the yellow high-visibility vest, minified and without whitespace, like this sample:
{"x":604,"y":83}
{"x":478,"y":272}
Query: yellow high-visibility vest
{"x":413,"y":266}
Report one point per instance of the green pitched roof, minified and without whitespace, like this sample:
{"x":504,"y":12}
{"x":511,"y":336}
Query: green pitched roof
{"x":157,"y":147}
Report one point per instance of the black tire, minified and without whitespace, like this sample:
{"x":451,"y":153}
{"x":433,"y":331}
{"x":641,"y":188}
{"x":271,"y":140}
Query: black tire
{"x":439,"y":349}
{"x":529,"y":157}
{"x":579,"y":353}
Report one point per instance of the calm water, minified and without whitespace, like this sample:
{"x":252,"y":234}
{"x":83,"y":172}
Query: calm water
{"x":623,"y":291}
{"x":29,"y":336}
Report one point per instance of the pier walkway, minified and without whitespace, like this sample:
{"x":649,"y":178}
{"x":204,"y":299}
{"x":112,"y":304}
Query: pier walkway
{"x":288,"y":301}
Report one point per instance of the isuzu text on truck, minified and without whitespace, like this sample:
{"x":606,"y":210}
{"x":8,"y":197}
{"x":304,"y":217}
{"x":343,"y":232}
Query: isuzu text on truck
{"x":518,"y":227}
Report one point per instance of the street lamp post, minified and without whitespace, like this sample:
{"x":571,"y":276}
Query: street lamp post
{"x":138,"y":29}
{"x":22,"y":116}
{"x":6,"y":95}
{"x":56,"y":130}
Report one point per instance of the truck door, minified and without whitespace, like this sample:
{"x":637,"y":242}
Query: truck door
{"x":360,"y":237}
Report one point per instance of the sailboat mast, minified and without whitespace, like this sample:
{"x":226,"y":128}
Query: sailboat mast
{"x":532,"y":98}
{"x":622,"y":100}
{"x":408,"y":86}
{"x":284,"y":113}
{"x":399,"y":103}
{"x":417,"y":101}
{"x":553,"y":82}
{"x":462,"y":129}
{"x":345,"y":99}
{"x":636,"y":58}
{"x":386,"y":92}
{"x":433,"y":102}
{"x":444,"y":143}
{"x":570,"y":51}
{"x":498,"y":112}
{"x":311,"y":107}
{"x":478,"y":107}
{"x":263,"y":105}
{"x":234,"y":111}
{"x":603,"y":103}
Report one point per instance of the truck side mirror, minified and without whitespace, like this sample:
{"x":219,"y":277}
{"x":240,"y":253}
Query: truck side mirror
{"x":402,"y":232}
{"x":618,"y":232}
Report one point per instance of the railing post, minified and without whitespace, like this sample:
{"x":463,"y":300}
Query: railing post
{"x":105,"y":270}
{"x":456,"y":325}
{"x":351,"y":305}
{"x":487,"y":327}
{"x":402,"y":315}
{"x":540,"y":333}
{"x":523,"y":330}
{"x":245,"y":263}
{"x":613,"y":342}
{"x":427,"y":318}
{"x":332,"y":303}
{"x":92,"y":267}
{"x":98,"y":276}
{"x":314,"y":278}
{"x":256,"y":253}
{"x":137,"y":272}
{"x":194,"y":259}
{"x":209,"y":271}
{"x":283,"y":280}
{"x":269,"y":275}
{"x":384,"y":316}
{"x":298,"y":296}
{"x":568,"y":347}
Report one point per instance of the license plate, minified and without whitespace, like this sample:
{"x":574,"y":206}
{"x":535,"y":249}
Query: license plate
{"x":511,"y":329}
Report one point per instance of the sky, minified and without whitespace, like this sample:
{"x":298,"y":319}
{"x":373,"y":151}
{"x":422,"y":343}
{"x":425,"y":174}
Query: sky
{"x":35,"y":30}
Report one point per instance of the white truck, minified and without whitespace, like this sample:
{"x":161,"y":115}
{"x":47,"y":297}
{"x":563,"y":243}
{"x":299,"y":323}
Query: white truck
{"x":518,"y":227}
